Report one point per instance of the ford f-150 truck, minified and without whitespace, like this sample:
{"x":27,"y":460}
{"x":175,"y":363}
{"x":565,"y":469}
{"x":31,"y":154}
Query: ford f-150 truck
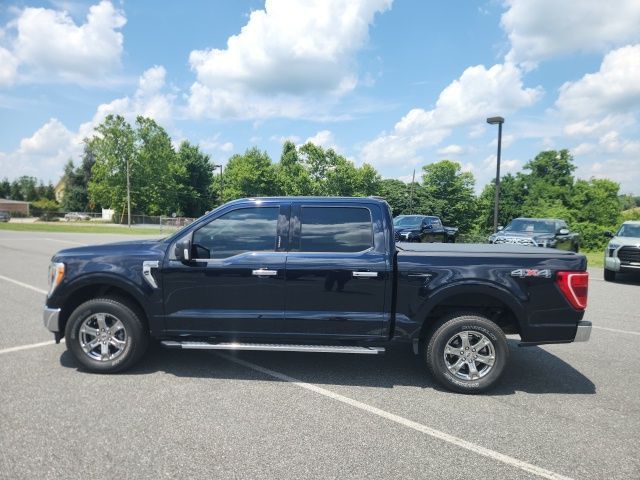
{"x":314,"y":275}
{"x":422,"y":228}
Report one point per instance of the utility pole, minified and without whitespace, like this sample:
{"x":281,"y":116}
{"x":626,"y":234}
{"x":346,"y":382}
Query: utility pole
{"x":499,"y":121}
{"x":128,"y":196}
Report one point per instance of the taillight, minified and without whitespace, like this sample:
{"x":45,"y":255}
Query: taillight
{"x":574,"y":286}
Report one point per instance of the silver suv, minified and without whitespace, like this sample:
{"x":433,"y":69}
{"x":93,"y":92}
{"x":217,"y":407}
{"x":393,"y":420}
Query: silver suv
{"x":623,"y":251}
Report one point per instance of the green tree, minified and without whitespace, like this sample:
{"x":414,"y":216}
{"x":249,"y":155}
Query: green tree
{"x":512,"y":194}
{"x":448,"y":192}
{"x":158,"y":173}
{"x":291,"y":175}
{"x":549,"y":180}
{"x":113,"y":146}
{"x":195,"y":187}
{"x":397,"y":194}
{"x":5,"y":188}
{"x":75,"y":198}
{"x":249,"y":175}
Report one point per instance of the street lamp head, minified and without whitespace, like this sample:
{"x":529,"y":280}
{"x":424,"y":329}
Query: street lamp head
{"x":495,"y":120}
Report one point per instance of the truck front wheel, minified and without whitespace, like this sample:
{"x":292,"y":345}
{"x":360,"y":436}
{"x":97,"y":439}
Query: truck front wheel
{"x":466,"y":353}
{"x":106,"y":335}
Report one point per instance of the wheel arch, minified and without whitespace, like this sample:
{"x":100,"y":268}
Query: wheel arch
{"x":98,"y":286}
{"x":492,"y":301}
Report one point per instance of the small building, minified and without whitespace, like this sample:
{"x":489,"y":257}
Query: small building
{"x":14,"y":206}
{"x":59,"y":189}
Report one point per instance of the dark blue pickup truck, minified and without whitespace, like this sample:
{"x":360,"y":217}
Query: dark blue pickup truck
{"x":314,"y":275}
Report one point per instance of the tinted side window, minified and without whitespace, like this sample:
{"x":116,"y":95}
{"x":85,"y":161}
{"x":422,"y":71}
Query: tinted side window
{"x":238,"y":231}
{"x":335,"y":229}
{"x":436,"y":223}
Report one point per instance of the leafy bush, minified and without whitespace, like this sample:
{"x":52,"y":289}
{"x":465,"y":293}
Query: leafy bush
{"x":45,"y":209}
{"x":592,"y":235}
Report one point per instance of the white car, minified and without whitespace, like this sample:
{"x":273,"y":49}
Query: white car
{"x":623,"y":251}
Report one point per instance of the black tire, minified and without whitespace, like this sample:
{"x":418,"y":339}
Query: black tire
{"x":135,"y":334}
{"x":609,"y":275}
{"x":450,"y":326}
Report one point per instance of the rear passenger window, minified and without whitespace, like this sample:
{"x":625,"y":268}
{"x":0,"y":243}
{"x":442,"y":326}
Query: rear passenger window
{"x":335,"y":229}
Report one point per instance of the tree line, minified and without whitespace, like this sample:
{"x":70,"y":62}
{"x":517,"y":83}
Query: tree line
{"x":166,"y":179}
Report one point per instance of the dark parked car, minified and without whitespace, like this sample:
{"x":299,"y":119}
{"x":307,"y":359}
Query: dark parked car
{"x":4,"y":216}
{"x":422,"y":228}
{"x":314,"y":275}
{"x":538,"y":232}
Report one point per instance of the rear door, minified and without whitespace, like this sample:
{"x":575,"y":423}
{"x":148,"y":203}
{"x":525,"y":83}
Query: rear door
{"x":337,"y":272}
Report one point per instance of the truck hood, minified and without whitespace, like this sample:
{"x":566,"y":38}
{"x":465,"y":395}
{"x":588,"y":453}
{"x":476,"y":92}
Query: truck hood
{"x":625,"y":241}
{"x":403,"y":230}
{"x":506,"y":236}
{"x":151,"y":247}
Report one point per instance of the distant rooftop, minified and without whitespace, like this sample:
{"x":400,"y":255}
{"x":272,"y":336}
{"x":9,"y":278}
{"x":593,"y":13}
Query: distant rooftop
{"x":6,"y":200}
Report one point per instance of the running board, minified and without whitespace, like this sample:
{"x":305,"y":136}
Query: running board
{"x":282,"y":347}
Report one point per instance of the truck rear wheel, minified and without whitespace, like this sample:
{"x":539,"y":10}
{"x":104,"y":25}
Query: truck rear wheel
{"x":466,"y":352}
{"x":106,"y":335}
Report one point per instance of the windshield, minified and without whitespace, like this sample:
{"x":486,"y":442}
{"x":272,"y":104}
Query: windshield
{"x":531,"y":226}
{"x":408,"y":221}
{"x":629,"y":230}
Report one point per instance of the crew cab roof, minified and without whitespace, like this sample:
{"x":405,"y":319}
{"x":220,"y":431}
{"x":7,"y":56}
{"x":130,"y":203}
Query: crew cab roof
{"x":312,"y":199}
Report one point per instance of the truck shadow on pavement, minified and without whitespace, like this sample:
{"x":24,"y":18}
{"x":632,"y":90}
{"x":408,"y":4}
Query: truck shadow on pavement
{"x":530,"y":370}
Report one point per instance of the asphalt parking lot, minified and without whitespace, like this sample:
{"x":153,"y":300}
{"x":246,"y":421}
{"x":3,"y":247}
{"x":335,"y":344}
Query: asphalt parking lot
{"x":560,"y":411}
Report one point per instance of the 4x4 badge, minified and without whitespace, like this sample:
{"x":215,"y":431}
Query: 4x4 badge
{"x":531,"y":272}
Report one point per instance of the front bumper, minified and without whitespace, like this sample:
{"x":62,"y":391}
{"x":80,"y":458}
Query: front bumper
{"x":583,"y":333}
{"x":51,"y":318}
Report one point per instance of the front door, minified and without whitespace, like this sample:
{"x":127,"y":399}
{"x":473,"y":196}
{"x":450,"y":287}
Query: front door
{"x":235,"y":283}
{"x":337,"y":273}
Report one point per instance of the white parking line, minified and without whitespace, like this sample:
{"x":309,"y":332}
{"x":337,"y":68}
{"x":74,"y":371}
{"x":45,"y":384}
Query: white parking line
{"x":25,"y":285}
{"x":70,"y":242}
{"x":472,"y":447}
{"x":28,"y":347}
{"x":615,"y":330}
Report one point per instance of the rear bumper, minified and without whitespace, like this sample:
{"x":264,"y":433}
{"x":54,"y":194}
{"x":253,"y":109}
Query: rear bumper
{"x":583,"y":333}
{"x":51,"y":319}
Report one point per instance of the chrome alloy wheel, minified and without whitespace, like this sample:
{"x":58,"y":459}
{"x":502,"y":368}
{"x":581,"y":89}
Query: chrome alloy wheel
{"x":103,"y":337}
{"x":469,"y":355}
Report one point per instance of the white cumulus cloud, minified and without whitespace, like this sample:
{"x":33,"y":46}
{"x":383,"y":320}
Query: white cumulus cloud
{"x":615,"y":88}
{"x":478,"y":92}
{"x":324,"y":138}
{"x":47,"y":44}
{"x":542,"y":29}
{"x":285,"y":52}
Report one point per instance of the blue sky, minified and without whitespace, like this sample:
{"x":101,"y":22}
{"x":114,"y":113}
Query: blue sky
{"x":397,"y":84}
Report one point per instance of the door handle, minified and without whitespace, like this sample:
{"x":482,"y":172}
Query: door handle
{"x":264,"y":273}
{"x":365,"y":274}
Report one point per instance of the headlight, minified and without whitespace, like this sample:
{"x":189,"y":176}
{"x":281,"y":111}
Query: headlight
{"x":613,"y":245}
{"x":56,"y":274}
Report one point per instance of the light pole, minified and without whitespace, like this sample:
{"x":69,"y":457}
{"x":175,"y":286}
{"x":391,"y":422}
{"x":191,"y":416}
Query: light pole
{"x":499,"y":121}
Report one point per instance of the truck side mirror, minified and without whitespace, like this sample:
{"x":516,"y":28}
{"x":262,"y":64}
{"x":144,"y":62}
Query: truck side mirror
{"x":563,"y":231}
{"x":608,"y":234}
{"x":183,"y":249}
